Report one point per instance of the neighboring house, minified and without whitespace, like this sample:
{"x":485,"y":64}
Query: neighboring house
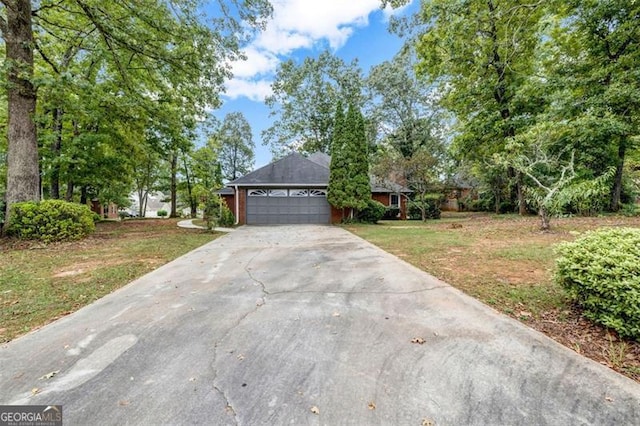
{"x":460,"y":191}
{"x":155,"y":201}
{"x":106,"y":211}
{"x":294,"y":190}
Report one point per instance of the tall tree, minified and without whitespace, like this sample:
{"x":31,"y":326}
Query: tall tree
{"x":596,"y":64}
{"x":481,"y":52}
{"x":338,"y":167}
{"x":349,"y":183}
{"x":403,"y":106}
{"x":23,"y":176}
{"x":236,"y":154}
{"x":151,"y":48}
{"x":303,"y":100}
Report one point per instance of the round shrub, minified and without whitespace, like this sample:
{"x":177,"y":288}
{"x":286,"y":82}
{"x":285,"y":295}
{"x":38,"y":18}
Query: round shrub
{"x":372,"y":213}
{"x":162,"y":213}
{"x":431,"y":204}
{"x":601,"y":272}
{"x":50,"y":220}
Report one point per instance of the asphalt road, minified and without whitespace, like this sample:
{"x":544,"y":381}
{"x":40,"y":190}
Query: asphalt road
{"x":304,"y":325}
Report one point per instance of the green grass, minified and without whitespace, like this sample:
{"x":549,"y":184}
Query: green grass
{"x":41,"y":283}
{"x":501,"y":260}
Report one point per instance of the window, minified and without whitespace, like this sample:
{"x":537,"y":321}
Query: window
{"x":257,"y":193}
{"x":298,"y":193}
{"x":317,"y":193}
{"x":394,"y":200}
{"x":278,"y":193}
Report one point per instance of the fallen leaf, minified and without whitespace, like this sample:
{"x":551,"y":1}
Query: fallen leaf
{"x":315,"y":410}
{"x":35,"y":391}
{"x":192,"y":379}
{"x":428,"y":422}
{"x":240,"y":357}
{"x":418,"y":340}
{"x":372,"y":405}
{"x":123,"y":403}
{"x":608,"y":399}
{"x":525,"y":314}
{"x":336,"y":314}
{"x":49,"y":375}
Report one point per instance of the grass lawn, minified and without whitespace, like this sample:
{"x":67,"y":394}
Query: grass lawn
{"x":40,"y":283}
{"x":507,"y":263}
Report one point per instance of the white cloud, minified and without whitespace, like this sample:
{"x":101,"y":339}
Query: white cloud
{"x":258,"y":62}
{"x":256,"y":90}
{"x":296,"y":24}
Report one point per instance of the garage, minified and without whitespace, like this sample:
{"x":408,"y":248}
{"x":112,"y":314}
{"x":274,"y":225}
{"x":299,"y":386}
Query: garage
{"x":276,"y":206}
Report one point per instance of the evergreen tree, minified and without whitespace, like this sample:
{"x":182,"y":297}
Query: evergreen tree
{"x":337,"y":168}
{"x":349,"y":185}
{"x":358,"y":169}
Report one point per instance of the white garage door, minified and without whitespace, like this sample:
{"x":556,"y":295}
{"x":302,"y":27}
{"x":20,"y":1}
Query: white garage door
{"x":287,"y":206}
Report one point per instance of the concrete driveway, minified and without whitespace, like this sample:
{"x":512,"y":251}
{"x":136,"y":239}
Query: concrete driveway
{"x":304,"y":325}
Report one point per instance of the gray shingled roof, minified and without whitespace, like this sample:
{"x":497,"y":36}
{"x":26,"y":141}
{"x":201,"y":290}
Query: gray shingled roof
{"x":292,"y":170}
{"x":297,"y":170}
{"x":320,"y":158}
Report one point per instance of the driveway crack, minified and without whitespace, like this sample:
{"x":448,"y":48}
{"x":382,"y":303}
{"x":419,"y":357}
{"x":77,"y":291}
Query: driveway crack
{"x":261,"y":284}
{"x":229,"y":407}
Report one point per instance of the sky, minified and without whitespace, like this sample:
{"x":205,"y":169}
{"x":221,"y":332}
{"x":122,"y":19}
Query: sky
{"x":352,"y":29}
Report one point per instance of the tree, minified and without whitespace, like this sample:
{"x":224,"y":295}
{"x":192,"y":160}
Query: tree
{"x":151,"y":48}
{"x":202,"y":175}
{"x":404,"y":107}
{"x":22,"y":155}
{"x":481,"y":52}
{"x":236,"y":146}
{"x":595,"y":65}
{"x":349,"y":183}
{"x":303,"y":100}
{"x":337,"y":168}
{"x":554,"y":186}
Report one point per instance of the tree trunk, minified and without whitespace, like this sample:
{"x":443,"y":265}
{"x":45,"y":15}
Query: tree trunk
{"x":522,"y":203}
{"x":544,"y":219}
{"x":83,"y":195}
{"x":69,"y":195}
{"x":617,"y":183}
{"x":55,"y":152}
{"x":193,"y":205}
{"x":23,"y":175}
{"x":174,"y":185}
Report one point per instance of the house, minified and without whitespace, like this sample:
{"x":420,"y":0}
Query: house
{"x":293,"y":190}
{"x":153,"y":202}
{"x":105,"y":211}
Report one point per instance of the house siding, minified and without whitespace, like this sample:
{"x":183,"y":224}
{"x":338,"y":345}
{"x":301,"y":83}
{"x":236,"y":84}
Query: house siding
{"x":384,"y":198}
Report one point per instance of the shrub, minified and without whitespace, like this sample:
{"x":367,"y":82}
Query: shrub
{"x":431,"y":205}
{"x":216,"y":213}
{"x":391,"y":213}
{"x":601,"y":272}
{"x":162,"y":213}
{"x":372,"y":213}
{"x":51,"y":220}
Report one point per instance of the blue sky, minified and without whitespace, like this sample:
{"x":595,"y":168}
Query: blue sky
{"x":299,"y":29}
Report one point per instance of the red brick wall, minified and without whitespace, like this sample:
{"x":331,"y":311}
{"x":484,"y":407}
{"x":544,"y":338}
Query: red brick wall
{"x":242,"y":206}
{"x":231,"y":203}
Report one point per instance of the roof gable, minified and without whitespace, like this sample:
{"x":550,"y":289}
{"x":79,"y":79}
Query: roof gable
{"x":294,"y":169}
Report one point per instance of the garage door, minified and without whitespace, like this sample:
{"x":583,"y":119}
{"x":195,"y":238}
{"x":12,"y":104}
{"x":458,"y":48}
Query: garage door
{"x":287,"y":206}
